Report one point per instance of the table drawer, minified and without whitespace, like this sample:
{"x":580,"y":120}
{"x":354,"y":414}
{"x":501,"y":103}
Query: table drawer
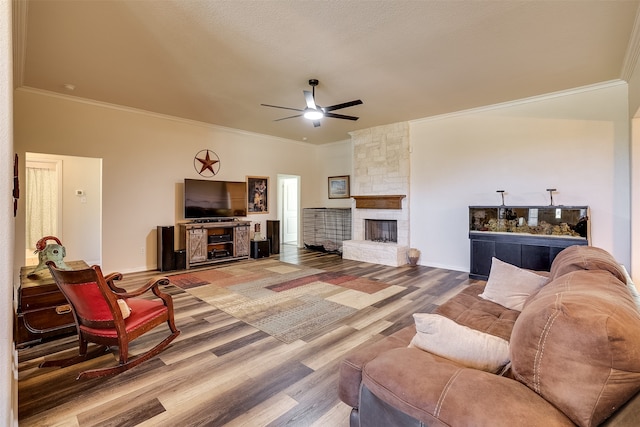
{"x":45,"y":300}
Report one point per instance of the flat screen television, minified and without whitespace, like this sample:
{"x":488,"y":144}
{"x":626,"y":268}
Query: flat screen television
{"x":214,"y":199}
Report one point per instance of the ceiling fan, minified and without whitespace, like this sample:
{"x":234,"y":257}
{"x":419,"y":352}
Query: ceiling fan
{"x":314,"y":111}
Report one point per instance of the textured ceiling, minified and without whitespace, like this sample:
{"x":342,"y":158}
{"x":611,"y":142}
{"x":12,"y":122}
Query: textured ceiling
{"x":217,"y":61}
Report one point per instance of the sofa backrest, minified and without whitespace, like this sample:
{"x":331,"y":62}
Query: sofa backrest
{"x":576,"y":258}
{"x":577,"y":341}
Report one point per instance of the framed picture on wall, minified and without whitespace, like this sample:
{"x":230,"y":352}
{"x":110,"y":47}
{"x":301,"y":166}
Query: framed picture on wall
{"x":339,"y":187}
{"x":257,"y":194}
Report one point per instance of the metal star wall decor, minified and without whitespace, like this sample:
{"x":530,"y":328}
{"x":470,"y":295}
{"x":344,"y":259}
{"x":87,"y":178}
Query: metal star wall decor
{"x":206,"y":163}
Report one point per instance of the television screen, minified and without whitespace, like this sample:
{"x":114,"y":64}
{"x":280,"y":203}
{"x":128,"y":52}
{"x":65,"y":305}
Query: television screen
{"x":214,"y":199}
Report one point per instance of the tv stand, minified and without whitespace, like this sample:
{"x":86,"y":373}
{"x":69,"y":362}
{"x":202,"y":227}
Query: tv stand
{"x":213,"y":242}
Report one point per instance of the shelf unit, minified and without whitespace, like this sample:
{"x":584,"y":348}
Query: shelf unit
{"x":213,"y":242}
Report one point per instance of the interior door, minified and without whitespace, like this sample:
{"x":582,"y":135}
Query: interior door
{"x":290,"y":210}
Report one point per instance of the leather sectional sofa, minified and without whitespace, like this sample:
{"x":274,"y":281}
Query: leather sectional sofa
{"x":573,"y":357}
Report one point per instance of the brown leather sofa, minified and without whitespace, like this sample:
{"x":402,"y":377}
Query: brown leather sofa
{"x":574,"y":350}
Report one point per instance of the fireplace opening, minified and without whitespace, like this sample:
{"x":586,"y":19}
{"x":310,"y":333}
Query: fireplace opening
{"x":381,"y":230}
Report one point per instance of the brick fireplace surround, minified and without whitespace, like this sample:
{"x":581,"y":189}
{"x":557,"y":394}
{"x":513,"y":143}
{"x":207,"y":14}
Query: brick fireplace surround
{"x":381,"y":168}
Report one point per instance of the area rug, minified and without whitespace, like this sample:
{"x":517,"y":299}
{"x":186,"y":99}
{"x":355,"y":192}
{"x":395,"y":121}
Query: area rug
{"x":286,"y":301}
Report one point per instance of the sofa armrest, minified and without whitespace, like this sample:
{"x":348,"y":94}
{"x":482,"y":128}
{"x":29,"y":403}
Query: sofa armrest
{"x":437,"y":391}
{"x":351,"y":366}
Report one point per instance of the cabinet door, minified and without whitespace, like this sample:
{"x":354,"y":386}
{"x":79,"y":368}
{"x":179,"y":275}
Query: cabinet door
{"x":241,"y":240}
{"x":536,"y":257}
{"x":481,"y":253}
{"x":197,"y":245}
{"x":510,"y":253}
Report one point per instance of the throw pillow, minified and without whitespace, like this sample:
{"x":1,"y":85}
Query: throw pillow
{"x":124,"y":308}
{"x":632,"y":287}
{"x":445,"y":338}
{"x":510,"y":286}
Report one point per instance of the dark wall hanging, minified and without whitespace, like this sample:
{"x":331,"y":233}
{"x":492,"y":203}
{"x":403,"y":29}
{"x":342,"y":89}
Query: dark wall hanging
{"x":206,"y":163}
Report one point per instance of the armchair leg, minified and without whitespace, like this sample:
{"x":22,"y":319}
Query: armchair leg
{"x":61,"y":363}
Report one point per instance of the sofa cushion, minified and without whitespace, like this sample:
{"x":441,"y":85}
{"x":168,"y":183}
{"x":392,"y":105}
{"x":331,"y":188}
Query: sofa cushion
{"x":469,"y":347}
{"x":510,"y":286}
{"x":576,"y":258}
{"x":467,"y":309}
{"x":577,"y":344}
{"x":351,"y":366}
{"x":439,"y":392}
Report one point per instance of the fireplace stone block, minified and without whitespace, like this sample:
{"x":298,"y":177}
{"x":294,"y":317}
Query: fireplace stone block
{"x":390,"y":254}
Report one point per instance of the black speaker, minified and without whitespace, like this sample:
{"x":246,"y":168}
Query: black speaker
{"x":181,"y":259}
{"x":273,"y":235}
{"x":166,"y":257}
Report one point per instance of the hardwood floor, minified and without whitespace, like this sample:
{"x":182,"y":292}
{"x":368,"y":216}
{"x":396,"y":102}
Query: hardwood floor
{"x":221,"y":371}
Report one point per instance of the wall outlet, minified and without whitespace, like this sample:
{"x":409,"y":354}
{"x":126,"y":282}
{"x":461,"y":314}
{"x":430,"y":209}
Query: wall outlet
{"x":141,"y":250}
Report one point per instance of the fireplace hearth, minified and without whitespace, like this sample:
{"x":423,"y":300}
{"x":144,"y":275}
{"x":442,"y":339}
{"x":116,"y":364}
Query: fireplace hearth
{"x":381,"y":230}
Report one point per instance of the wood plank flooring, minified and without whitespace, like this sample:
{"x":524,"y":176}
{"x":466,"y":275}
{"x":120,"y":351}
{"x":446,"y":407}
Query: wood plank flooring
{"x":223,"y":372}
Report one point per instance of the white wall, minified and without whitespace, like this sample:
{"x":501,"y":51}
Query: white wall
{"x":576,"y":142}
{"x":333,"y":160}
{"x":8,"y":387}
{"x":145,"y":158}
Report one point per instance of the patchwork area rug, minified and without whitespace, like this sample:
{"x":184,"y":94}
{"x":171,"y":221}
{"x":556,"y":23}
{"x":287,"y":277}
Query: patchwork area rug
{"x":286,"y":301}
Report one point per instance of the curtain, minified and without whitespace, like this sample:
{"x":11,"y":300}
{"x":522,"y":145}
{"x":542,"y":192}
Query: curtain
{"x":41,"y":204}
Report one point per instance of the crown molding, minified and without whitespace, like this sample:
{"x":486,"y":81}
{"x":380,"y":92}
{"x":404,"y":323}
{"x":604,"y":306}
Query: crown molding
{"x":537,"y":98}
{"x":133,"y":110}
{"x":633,"y":51}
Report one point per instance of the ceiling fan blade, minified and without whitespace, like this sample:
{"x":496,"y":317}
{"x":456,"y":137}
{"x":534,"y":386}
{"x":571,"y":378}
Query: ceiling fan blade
{"x":290,"y":117}
{"x":343,"y":105}
{"x":284,"y":108}
{"x":340,"y":116}
{"x":311,"y":103}
{"x":316,"y":124}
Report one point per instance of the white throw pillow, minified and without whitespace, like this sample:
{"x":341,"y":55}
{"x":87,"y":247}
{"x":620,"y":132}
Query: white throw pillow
{"x":471,"y":348}
{"x":510,"y":286}
{"x":632,"y":288}
{"x":124,"y":308}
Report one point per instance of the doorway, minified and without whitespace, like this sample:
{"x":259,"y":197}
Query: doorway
{"x":68,"y":206}
{"x":289,"y":208}
{"x":43,"y":201}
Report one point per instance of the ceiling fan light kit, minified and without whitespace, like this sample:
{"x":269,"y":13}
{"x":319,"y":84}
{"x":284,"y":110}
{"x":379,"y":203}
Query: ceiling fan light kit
{"x":315,"y":112}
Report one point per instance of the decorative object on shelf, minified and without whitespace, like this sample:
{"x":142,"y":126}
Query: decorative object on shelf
{"x":206,"y":163}
{"x":551,"y":190}
{"x":502,"y":195}
{"x":257,"y":235}
{"x":49,"y":252}
{"x":413,"y":256}
{"x":16,"y":185}
{"x":258,"y":194}
{"x":339,"y":187}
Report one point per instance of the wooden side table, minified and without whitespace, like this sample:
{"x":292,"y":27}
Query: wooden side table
{"x":42,"y":310}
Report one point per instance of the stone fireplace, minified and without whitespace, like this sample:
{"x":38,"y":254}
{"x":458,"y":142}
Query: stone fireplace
{"x":380,"y":188}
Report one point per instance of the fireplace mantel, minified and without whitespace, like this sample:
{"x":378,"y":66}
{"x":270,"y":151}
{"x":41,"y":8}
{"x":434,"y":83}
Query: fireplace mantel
{"x":379,"y":202}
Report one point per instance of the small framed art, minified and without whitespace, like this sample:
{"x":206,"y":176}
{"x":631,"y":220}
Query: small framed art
{"x":339,"y":187}
{"x":257,"y":194}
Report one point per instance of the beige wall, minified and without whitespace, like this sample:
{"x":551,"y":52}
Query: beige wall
{"x":576,"y":142}
{"x":145,"y":158}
